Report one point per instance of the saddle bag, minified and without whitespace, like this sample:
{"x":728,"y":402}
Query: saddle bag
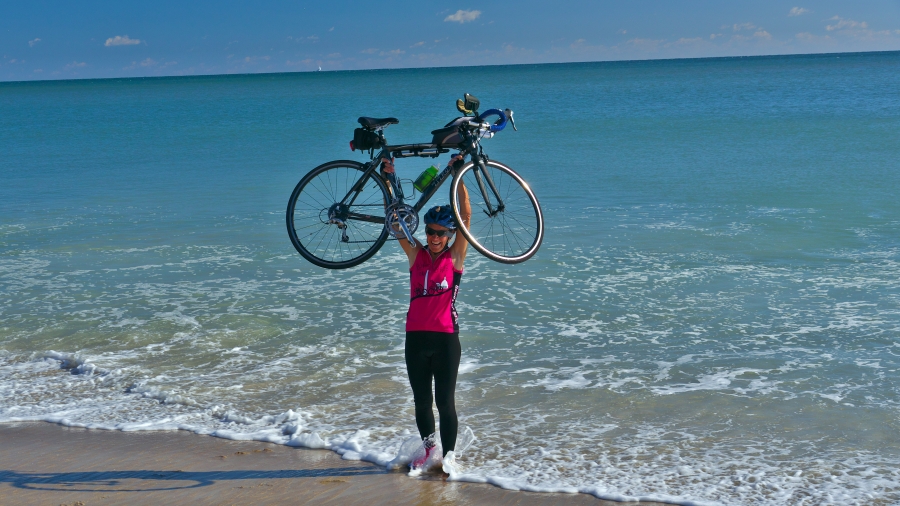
{"x":364,"y":140}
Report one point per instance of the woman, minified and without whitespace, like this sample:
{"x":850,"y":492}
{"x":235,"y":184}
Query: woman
{"x":432,"y":332}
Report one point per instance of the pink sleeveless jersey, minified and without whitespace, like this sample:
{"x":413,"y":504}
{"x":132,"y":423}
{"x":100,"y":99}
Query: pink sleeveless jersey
{"x":432,"y":298}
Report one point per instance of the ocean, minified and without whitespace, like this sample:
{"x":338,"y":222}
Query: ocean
{"x":713,"y":317}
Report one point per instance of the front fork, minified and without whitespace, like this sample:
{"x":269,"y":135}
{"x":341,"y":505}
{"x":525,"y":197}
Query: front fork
{"x":482,"y":177}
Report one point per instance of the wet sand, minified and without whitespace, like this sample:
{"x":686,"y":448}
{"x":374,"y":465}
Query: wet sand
{"x":42,"y":463}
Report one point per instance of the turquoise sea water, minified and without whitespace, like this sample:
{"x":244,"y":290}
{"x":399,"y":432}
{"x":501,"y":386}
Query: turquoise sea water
{"x":714,"y":316}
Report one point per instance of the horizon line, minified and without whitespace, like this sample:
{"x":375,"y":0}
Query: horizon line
{"x":453,"y":67}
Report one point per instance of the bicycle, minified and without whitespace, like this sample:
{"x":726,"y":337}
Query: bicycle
{"x":331,"y":215}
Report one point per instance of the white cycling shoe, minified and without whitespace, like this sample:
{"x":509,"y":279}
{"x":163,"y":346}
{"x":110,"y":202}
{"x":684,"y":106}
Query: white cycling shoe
{"x":450,"y":465}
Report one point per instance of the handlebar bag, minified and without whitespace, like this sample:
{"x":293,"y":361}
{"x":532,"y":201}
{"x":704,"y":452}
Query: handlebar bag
{"x":449,"y":135}
{"x":365,"y":140}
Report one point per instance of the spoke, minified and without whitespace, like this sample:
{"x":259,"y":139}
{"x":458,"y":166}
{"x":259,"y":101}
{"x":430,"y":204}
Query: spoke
{"x":317,"y":182}
{"x":327,"y":232}
{"x":332,"y":185}
{"x":317,"y":225}
{"x":523,"y":225}
{"x":518,"y":242}
{"x":312,"y":236}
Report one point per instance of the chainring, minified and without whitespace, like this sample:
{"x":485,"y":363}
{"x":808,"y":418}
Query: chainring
{"x":397,"y":212}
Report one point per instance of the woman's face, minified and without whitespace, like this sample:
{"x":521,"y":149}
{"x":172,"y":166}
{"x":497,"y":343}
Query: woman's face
{"x":437,"y":244}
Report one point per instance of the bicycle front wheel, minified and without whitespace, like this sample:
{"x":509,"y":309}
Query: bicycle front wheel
{"x":507,"y":224}
{"x":333,"y":219}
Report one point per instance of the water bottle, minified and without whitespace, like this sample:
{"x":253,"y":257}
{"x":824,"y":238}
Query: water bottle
{"x":425,"y":178}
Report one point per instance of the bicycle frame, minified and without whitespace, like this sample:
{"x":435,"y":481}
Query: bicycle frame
{"x":473,"y":150}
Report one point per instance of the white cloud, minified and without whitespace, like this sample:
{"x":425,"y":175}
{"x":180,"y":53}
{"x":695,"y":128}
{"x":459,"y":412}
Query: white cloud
{"x":580,"y":47}
{"x":762,"y":34}
{"x":31,"y":43}
{"x":417,"y":44}
{"x":149,"y":62}
{"x":743,"y":26}
{"x":371,"y":50}
{"x":649,"y":45}
{"x":395,"y":52}
{"x":121,"y":40}
{"x":688,"y":41}
{"x":462,"y":16}
{"x":844,"y":24}
{"x":74,"y":65}
{"x":797,"y":11}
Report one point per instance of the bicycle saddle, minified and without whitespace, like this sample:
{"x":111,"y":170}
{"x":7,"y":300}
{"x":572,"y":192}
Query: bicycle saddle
{"x":373,"y":123}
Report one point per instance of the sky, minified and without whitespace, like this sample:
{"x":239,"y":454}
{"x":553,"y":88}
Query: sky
{"x":99,"y":39}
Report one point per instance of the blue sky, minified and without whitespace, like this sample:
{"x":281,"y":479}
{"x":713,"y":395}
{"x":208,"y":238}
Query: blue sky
{"x":90,"y":39}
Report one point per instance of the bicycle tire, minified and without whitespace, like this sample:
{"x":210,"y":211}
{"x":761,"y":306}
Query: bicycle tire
{"x":320,"y":241}
{"x":509,"y":236}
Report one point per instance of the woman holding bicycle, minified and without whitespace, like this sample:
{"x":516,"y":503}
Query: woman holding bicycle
{"x":432,"y":332}
{"x":334,"y":221}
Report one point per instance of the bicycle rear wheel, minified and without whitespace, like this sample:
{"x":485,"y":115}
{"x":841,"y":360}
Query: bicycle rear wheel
{"x":328,"y":233}
{"x":507,"y":224}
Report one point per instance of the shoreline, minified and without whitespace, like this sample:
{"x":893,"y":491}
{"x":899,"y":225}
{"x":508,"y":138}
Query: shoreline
{"x":47,"y":463}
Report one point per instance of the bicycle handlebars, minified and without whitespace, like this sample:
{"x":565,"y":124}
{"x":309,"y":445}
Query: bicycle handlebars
{"x":499,"y":124}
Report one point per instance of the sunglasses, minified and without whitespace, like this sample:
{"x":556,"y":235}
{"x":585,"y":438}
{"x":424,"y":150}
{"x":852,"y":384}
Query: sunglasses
{"x":439,"y":233}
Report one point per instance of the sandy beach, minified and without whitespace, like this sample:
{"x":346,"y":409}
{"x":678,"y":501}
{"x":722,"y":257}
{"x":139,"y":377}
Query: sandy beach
{"x":44,"y":463}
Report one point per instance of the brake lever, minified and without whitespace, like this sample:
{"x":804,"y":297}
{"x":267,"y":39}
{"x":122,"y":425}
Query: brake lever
{"x":509,"y":115}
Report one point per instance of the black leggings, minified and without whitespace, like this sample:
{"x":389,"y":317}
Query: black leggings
{"x":434,"y":355}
